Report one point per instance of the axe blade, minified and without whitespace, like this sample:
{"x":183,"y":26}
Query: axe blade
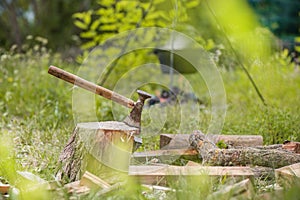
{"x":134,"y":118}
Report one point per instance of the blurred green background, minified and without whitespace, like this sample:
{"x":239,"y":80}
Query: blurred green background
{"x":258,"y":37}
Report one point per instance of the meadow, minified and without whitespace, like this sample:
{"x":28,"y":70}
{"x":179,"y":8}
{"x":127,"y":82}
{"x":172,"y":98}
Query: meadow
{"x":37,"y":117}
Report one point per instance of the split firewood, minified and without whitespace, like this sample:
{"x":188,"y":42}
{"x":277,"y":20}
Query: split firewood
{"x":168,"y":154}
{"x":158,"y":175}
{"x":288,"y":175}
{"x":90,"y":180}
{"x":212,"y":155}
{"x":263,"y":173}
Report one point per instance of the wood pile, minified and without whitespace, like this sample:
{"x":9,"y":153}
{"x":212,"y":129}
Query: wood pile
{"x":239,"y":158}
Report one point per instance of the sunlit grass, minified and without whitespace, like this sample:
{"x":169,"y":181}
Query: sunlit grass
{"x":37,"y":115}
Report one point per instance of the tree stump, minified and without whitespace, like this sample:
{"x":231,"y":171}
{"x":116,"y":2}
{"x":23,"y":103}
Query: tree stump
{"x":269,"y":156}
{"x":99,"y":147}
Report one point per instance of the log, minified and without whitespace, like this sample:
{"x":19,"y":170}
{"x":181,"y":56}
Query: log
{"x":158,"y":175}
{"x":288,"y":175}
{"x":181,"y":141}
{"x":212,"y":155}
{"x":98,"y":147}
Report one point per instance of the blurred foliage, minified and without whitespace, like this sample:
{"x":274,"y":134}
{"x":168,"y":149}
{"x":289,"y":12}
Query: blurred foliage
{"x":36,"y":108}
{"x":113,"y":17}
{"x":23,"y":188}
{"x":280,"y":16}
{"x":48,"y":19}
{"x":52,"y":19}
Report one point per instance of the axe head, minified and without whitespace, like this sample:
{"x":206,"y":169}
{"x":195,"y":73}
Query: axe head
{"x":134,"y":119}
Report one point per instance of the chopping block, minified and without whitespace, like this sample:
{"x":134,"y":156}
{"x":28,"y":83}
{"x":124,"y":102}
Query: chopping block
{"x":102,"y":148}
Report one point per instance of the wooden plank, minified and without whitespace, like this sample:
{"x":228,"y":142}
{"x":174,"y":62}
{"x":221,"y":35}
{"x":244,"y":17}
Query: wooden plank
{"x":166,"y":154}
{"x":288,"y":174}
{"x":179,"y":141}
{"x":153,"y":175}
{"x":94,"y":182}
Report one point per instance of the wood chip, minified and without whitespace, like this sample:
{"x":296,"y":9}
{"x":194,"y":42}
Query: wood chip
{"x":90,"y":180}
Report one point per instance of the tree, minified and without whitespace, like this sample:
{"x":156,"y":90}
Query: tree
{"x":49,"y":19}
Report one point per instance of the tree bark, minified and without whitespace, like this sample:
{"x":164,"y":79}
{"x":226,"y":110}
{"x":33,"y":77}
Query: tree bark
{"x":266,"y":157}
{"x":96,"y":147}
{"x":181,"y":141}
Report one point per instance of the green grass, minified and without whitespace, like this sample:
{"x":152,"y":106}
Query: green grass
{"x":37,"y":112}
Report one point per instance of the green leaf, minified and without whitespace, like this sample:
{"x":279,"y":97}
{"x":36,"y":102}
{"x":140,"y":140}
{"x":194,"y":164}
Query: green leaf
{"x":106,"y":20}
{"x":111,"y":27}
{"x":155,"y":2}
{"x":105,"y":11}
{"x":164,"y":15}
{"x":87,"y":17}
{"x":95,"y":24}
{"x":88,"y":45}
{"x":78,"y":15}
{"x":80,"y":24}
{"x":106,"y":3}
{"x":145,"y":5}
{"x":191,"y":4}
{"x":88,"y":34}
{"x":154,"y":15}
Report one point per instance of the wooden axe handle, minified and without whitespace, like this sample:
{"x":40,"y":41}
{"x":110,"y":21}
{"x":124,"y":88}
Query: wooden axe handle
{"x":71,"y":78}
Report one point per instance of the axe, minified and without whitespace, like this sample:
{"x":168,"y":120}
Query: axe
{"x":133,"y":119}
